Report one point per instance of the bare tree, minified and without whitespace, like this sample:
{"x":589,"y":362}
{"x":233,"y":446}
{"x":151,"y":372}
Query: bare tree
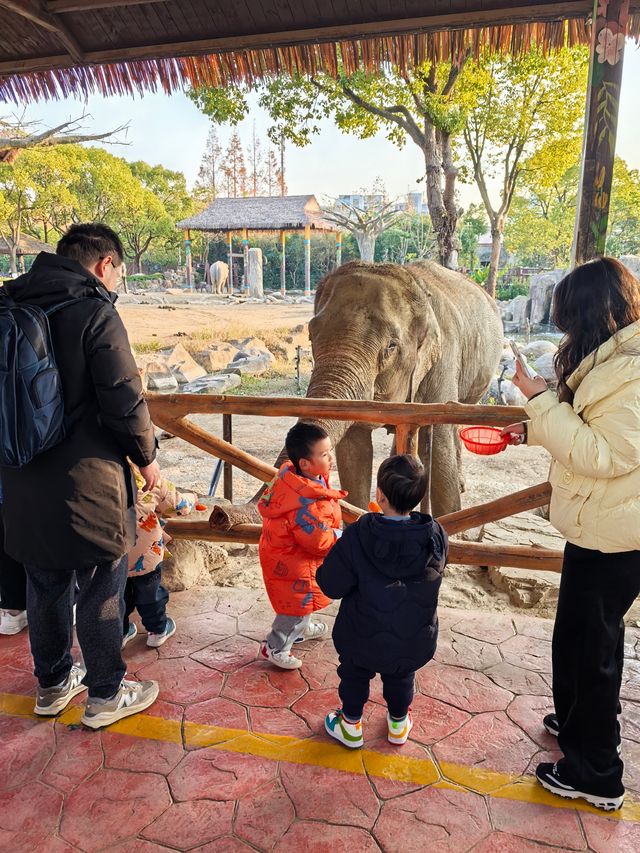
{"x":365,"y":225}
{"x":18,"y":135}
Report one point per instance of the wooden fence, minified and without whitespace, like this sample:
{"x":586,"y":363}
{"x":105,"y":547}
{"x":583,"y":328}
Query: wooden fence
{"x":170,"y":412}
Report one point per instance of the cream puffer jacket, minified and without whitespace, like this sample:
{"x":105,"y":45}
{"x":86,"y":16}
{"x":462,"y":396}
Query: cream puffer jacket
{"x":595,"y":445}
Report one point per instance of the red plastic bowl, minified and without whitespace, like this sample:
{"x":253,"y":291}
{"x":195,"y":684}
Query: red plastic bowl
{"x":483,"y":440}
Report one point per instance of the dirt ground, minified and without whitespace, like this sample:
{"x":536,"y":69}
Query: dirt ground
{"x":486,"y":477}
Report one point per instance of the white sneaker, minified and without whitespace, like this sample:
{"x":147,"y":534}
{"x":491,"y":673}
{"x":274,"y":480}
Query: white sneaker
{"x":131,"y":698}
{"x":316,"y":630}
{"x":10,"y":624}
{"x":154,"y":641}
{"x":51,"y":700}
{"x":285,"y":660}
{"x":399,"y":730}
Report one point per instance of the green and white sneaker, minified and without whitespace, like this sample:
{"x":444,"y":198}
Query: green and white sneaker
{"x":399,"y":730}
{"x":349,"y":734}
{"x":51,"y":700}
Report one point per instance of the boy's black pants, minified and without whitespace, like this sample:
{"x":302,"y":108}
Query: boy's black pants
{"x":146,"y":594}
{"x":596,"y":590}
{"x":397,"y":690}
{"x":13,"y":578}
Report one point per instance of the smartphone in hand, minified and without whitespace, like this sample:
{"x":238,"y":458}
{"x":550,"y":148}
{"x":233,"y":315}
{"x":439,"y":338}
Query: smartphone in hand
{"x":522,"y":361}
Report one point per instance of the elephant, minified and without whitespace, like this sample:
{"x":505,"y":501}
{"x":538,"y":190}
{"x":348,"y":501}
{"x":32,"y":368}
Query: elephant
{"x":415,"y":333}
{"x":218,"y":275}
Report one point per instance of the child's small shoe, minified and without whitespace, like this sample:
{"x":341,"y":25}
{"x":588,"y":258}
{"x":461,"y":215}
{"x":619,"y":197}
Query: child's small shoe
{"x":349,"y":734}
{"x":130,"y":635}
{"x":154,"y":641}
{"x":399,"y":730}
{"x":316,"y":630}
{"x":284,"y":660}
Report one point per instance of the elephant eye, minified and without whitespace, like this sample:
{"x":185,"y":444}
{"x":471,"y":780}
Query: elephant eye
{"x":392,"y":346}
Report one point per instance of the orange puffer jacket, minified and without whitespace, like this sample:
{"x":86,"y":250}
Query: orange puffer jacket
{"x":300,"y":516}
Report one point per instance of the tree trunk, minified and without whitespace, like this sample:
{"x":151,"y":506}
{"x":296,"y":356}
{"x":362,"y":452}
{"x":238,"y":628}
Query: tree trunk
{"x":137,"y":263}
{"x":444,"y":225}
{"x":366,"y":245}
{"x":13,"y":257}
{"x":496,"y":249}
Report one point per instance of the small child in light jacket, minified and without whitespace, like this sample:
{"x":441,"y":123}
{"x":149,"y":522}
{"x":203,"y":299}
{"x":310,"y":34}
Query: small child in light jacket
{"x":144,"y":591}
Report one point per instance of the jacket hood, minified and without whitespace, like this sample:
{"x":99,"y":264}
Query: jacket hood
{"x":624,"y":346}
{"x":52,"y":279}
{"x":401,"y":549}
{"x":284,"y":492}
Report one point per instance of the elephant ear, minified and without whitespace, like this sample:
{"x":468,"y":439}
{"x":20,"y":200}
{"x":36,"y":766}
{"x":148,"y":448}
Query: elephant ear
{"x":429,"y":345}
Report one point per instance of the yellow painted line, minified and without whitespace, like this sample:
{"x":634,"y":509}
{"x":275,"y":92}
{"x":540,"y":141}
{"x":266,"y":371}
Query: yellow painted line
{"x":320,"y":753}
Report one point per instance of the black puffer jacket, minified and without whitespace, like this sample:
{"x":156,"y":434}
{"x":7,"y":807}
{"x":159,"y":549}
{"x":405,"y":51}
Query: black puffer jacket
{"x":388,"y":575}
{"x":73,"y":506}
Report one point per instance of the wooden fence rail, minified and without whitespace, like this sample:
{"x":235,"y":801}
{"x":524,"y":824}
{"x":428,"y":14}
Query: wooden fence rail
{"x":170,"y":413}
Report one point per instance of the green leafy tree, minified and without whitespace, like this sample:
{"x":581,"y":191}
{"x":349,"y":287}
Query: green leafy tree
{"x":521,"y":105}
{"x":472,"y":226}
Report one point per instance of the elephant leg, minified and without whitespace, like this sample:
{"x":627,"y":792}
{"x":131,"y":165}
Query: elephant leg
{"x":445,"y":484}
{"x":354,"y":455}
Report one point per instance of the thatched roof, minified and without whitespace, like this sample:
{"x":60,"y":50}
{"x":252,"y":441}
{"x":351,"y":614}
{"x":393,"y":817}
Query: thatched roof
{"x":53,"y":48}
{"x":271,"y":213}
{"x":28,"y":246}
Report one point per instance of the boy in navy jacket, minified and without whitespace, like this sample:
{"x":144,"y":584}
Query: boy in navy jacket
{"x":387,"y":569}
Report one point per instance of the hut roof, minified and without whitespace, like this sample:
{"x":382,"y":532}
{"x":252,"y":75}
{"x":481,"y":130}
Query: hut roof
{"x":28,"y":246}
{"x":54,"y":48}
{"x":271,"y":213}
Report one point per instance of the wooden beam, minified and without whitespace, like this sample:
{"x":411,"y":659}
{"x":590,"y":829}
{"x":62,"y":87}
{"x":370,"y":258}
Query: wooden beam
{"x":475,"y":516}
{"x":175,"y":406}
{"x":58,"y":6}
{"x":366,"y":29}
{"x":48,"y":22}
{"x":600,"y":129}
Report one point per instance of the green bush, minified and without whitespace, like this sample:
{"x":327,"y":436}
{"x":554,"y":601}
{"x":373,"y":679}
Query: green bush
{"x":507,"y":292}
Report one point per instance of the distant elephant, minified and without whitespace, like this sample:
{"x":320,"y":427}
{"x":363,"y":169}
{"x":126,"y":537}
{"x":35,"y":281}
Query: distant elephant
{"x":418,"y":333}
{"x":218,"y":273}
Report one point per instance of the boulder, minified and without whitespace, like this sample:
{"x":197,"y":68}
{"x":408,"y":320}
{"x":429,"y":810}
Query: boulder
{"x":216,"y":357}
{"x":158,"y":377}
{"x":183,"y":366}
{"x":544,"y":367}
{"x":255,"y":365}
{"x":216,"y":383}
{"x":541,"y":290}
{"x":254,"y":274}
{"x":518,"y":309}
{"x":512,"y":396}
{"x":535,"y":349}
{"x":190,"y":563}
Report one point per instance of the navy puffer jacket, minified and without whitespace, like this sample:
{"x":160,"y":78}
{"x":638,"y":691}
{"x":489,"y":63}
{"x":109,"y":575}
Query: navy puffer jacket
{"x":388,"y":575}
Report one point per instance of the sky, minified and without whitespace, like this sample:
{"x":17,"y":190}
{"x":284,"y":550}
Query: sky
{"x":171,"y":131}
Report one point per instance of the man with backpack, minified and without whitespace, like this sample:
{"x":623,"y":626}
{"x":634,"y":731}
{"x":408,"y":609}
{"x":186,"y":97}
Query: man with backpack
{"x":71,"y":412}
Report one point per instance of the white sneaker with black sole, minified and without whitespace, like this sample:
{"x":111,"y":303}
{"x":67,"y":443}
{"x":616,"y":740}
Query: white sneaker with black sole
{"x":131,"y":698}
{"x":551,"y":724}
{"x":549,"y":777}
{"x":52,"y":700}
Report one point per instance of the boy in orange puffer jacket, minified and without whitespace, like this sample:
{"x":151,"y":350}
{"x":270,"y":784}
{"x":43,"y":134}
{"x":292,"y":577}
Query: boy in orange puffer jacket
{"x":301,"y":518}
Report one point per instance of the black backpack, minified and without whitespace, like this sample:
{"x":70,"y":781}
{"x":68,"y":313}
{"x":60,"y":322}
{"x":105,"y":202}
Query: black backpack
{"x":32,"y":417}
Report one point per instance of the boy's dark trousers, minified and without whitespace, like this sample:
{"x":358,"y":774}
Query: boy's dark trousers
{"x":146,"y":594}
{"x":596,"y":590}
{"x":13,"y":578}
{"x":397,"y":690}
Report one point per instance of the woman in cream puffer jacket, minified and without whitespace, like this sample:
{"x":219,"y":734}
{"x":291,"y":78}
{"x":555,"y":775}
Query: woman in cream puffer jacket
{"x":591,"y":428}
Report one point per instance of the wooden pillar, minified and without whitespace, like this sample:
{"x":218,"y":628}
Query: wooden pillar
{"x":227,"y":435}
{"x":283,"y":263}
{"x":407,"y":439}
{"x":601,"y":125}
{"x":187,"y":258}
{"x":338,"y":249}
{"x":230,"y":279}
{"x":245,"y":249}
{"x":307,"y":260}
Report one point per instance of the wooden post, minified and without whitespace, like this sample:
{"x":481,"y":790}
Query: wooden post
{"x":283,"y":263}
{"x":187,"y":258}
{"x":227,"y":435}
{"x":245,"y":249}
{"x":307,"y":260}
{"x":230,"y":279}
{"x":338,"y":249}
{"x":407,"y":439}
{"x":600,"y":128}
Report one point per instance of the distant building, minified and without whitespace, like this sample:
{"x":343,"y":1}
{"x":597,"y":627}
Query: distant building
{"x":411,"y":203}
{"x":484,"y":252}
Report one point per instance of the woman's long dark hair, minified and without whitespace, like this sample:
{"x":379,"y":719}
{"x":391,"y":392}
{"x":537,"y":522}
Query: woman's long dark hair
{"x":590,"y":305}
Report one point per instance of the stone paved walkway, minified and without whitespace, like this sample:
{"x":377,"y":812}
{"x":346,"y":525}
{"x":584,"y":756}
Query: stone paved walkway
{"x":233,"y":756}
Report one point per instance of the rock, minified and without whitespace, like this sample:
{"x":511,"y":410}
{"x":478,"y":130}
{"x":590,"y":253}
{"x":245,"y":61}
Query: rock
{"x":518,"y":309}
{"x":535,"y":349}
{"x":183,"y":366}
{"x":541,"y":290}
{"x":254,"y":274}
{"x":216,"y":357}
{"x":544,"y":367}
{"x":255,"y":365}
{"x":526,"y":589}
{"x":191,"y":563}
{"x":158,"y":377}
{"x":216,"y":383}
{"x":512,"y":396}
